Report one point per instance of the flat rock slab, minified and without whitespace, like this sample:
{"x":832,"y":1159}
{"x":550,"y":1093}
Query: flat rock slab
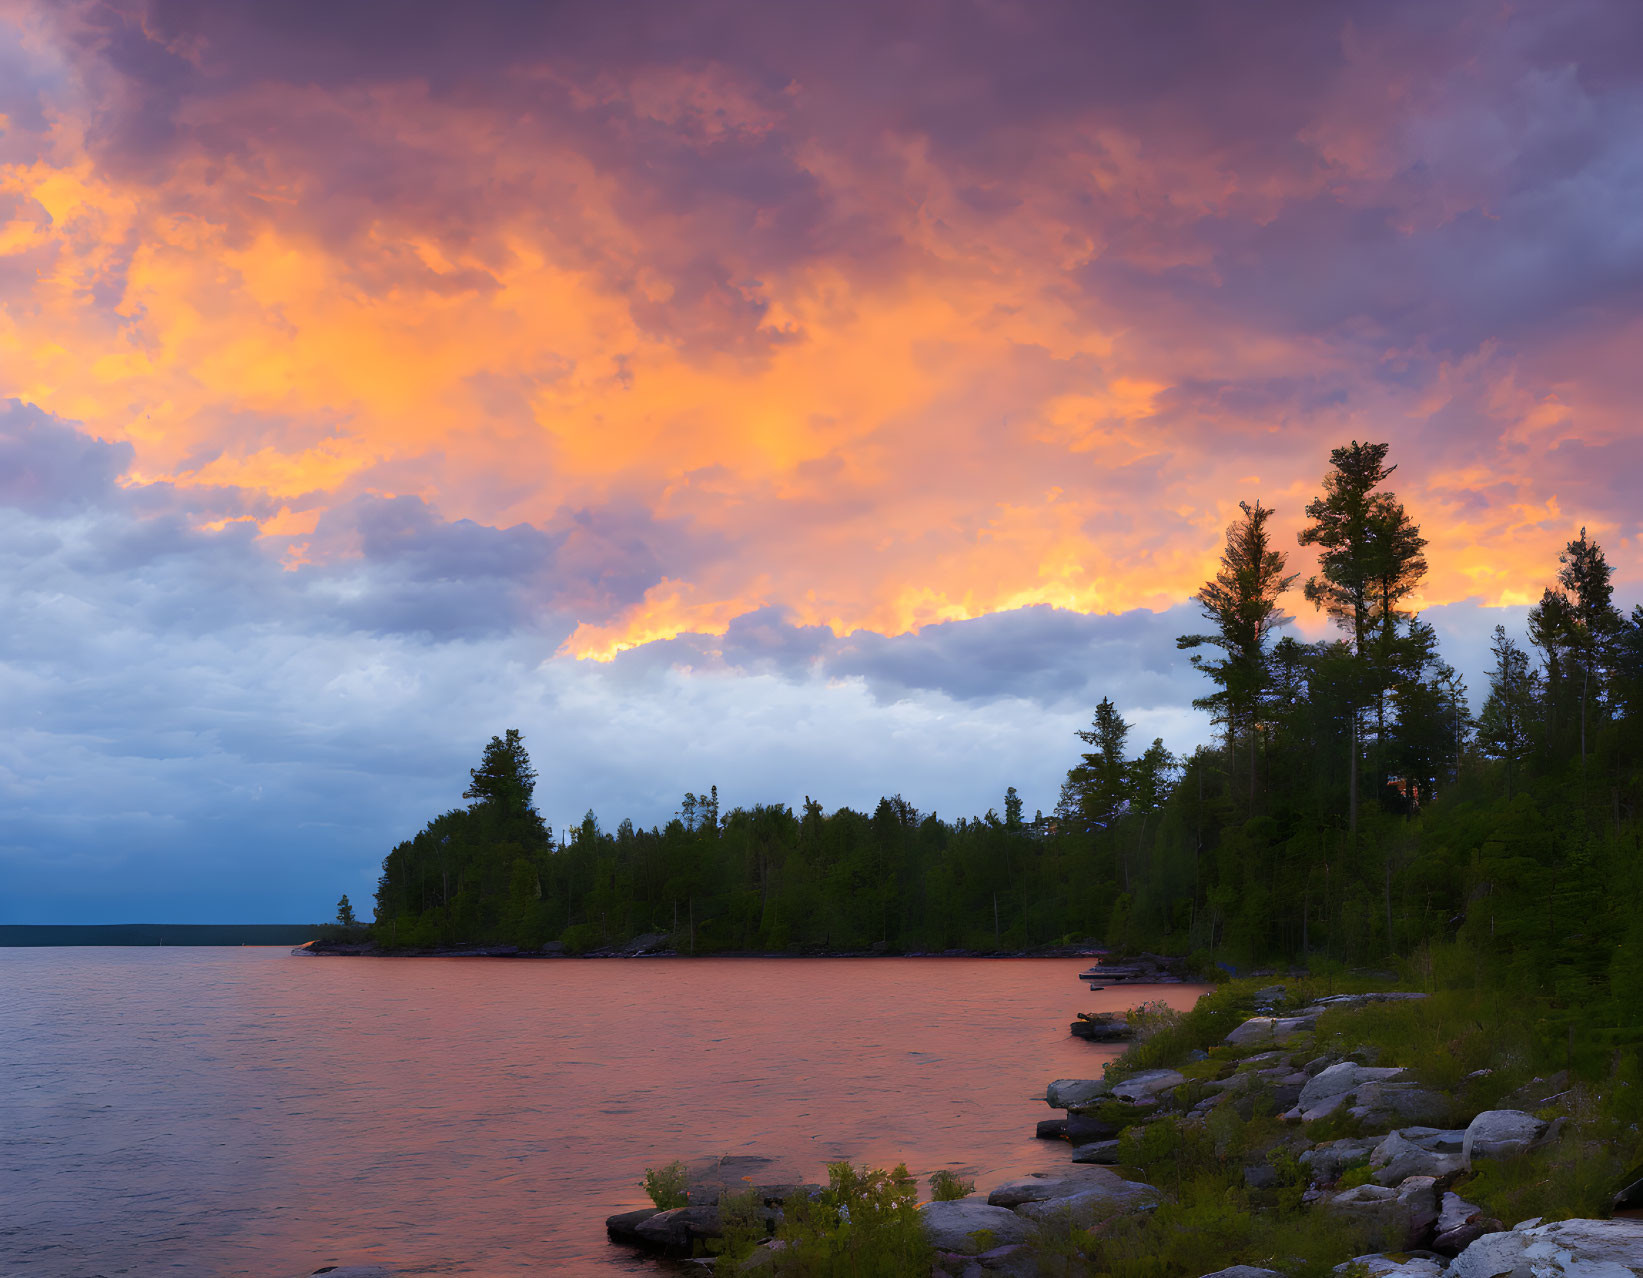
{"x":953,"y":1226}
{"x":1244,"y":1271}
{"x":1381,"y":1266}
{"x":1071,"y":1093}
{"x":1335,"y":1001}
{"x":1268,"y":1029}
{"x":1148,"y":1084}
{"x":1101,"y":1152}
{"x":1566,"y":1249}
{"x":1099,"y":1202}
{"x":1052,"y":1184}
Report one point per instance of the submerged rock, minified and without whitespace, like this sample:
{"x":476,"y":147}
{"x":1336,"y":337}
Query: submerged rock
{"x":354,"y":1271}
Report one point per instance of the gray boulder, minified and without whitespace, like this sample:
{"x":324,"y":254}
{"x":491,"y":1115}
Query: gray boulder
{"x":1091,"y":1204}
{"x":1326,"y":1162}
{"x":1147,"y":1085}
{"x":1244,"y":1271}
{"x":952,"y":1226}
{"x":1383,"y":1105}
{"x":678,"y":1227}
{"x":1440,"y":1140}
{"x":623,"y":1224}
{"x":1460,"y":1224}
{"x":1081,"y":1129}
{"x":1398,"y":1157}
{"x":1454,"y":1211}
{"x":1103,"y":1152}
{"x":1325,"y":1090}
{"x":1566,"y":1249}
{"x":1403,"y":1216}
{"x":1071,"y":1093}
{"x":1498,"y":1133}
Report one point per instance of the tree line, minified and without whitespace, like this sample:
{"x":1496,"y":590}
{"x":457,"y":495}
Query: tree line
{"x":1352,"y":807}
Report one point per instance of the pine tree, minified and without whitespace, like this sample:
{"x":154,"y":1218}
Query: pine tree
{"x":504,"y":779}
{"x":1371,"y":559}
{"x":345,"y":912}
{"x":1242,"y":602}
{"x":1509,"y":711}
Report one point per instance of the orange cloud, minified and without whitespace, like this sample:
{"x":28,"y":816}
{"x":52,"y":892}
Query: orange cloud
{"x":959,"y":410}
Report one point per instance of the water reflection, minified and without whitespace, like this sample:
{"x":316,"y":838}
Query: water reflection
{"x":241,"y":1111}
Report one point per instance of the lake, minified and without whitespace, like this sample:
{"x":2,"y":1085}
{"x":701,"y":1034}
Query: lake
{"x":248,"y":1112}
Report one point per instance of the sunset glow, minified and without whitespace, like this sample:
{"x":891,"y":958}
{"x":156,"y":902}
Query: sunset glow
{"x":630,"y":345}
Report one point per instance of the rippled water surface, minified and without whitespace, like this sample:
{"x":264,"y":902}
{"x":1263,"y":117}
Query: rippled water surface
{"x":247,"y":1112}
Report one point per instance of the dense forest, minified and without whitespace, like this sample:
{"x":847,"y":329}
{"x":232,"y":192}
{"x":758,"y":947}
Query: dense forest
{"x":1353,"y":807}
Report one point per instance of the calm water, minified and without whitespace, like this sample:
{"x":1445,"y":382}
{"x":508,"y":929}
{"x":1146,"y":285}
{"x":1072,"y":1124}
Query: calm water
{"x":243,"y":1111}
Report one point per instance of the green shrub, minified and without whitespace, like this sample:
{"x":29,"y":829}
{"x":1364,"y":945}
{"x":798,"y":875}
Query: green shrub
{"x":947,"y":1186}
{"x":668,"y":1186}
{"x":1168,"y":1037}
{"x":865,"y":1224}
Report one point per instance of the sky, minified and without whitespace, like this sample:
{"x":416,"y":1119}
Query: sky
{"x":808,"y":400}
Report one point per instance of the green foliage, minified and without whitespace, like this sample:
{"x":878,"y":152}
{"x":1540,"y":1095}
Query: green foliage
{"x":864,"y":1224}
{"x":345,"y":913}
{"x":1168,"y":1037}
{"x":948,"y":1186}
{"x":668,"y":1185}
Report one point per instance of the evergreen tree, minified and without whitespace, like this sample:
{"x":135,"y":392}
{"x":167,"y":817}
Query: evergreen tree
{"x":1242,"y":602}
{"x":504,"y":779}
{"x":1509,"y":711}
{"x":1100,"y":781}
{"x":345,"y":912}
{"x":1371,"y":559}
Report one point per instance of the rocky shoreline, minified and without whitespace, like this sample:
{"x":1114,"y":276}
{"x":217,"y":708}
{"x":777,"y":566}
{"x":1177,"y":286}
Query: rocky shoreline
{"x":1349,"y":1143}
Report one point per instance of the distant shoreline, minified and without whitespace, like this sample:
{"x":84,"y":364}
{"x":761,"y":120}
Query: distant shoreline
{"x":1136,"y":970}
{"x":52,"y":935}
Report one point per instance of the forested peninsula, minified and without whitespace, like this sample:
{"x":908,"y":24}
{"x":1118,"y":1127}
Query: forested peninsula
{"x":1352,"y":809}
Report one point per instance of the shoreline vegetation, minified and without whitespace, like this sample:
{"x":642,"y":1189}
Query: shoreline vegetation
{"x":1288,"y":1130}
